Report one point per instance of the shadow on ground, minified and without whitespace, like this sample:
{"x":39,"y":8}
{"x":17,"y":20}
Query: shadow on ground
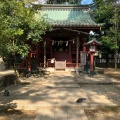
{"x":61,"y":92}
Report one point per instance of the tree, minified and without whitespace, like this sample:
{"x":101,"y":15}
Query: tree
{"x":107,"y":11}
{"x":19,"y":25}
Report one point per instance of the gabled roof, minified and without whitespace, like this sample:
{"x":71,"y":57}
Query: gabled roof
{"x":93,"y":41}
{"x":78,"y":16}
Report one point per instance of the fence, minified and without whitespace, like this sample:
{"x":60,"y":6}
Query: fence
{"x":107,"y":63}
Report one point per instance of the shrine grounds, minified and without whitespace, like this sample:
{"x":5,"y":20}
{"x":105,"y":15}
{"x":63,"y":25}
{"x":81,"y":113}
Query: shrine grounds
{"x":54,"y":97}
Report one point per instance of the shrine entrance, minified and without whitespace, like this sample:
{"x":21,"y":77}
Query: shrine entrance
{"x":60,"y":48}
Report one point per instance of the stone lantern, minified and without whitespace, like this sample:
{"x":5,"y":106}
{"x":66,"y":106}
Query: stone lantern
{"x":92,"y":44}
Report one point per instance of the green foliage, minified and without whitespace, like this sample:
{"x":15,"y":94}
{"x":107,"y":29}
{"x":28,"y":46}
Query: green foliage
{"x":37,"y":29}
{"x":109,"y":13}
{"x":19,"y":26}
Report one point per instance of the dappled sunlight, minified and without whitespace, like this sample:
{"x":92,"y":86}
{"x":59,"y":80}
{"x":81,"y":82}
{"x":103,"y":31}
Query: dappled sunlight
{"x":113,"y":73}
{"x":58,"y":94}
{"x":12,"y":114}
{"x":99,"y":89}
{"x":57,"y":90}
{"x":60,"y":113}
{"x":102,"y":94}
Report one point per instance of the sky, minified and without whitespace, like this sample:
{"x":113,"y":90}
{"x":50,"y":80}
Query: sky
{"x":87,"y":1}
{"x":118,"y":1}
{"x":84,"y":2}
{"x":91,"y":1}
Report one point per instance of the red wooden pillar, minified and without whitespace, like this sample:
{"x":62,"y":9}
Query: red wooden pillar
{"x":70,"y":57}
{"x":51,"y":51}
{"x":91,"y":63}
{"x":37,"y":54}
{"x":40,"y":52}
{"x":29,"y":61}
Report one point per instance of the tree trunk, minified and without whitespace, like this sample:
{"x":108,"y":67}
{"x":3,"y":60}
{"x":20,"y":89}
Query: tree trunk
{"x":14,"y":65}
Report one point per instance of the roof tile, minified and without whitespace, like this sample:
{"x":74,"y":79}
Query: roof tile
{"x":68,"y":17}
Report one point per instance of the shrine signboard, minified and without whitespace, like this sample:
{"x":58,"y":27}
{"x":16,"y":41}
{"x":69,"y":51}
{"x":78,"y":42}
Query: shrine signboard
{"x":60,"y":64}
{"x":83,"y":58}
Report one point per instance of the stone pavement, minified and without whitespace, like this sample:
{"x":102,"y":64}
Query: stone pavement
{"x":54,"y":97}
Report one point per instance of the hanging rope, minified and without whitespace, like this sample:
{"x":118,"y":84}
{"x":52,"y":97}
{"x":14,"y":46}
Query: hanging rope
{"x":60,"y":41}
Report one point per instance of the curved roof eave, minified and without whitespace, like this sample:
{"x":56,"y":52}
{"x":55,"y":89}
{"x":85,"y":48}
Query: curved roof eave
{"x":76,"y":16}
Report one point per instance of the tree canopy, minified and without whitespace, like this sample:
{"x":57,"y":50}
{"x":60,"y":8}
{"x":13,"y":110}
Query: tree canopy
{"x":108,"y":12}
{"x":18,"y":25}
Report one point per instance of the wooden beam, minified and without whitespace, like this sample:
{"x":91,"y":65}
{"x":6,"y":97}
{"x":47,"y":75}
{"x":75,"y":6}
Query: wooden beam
{"x":76,"y":31}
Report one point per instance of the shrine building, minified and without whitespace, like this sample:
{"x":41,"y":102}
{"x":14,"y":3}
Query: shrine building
{"x":61,"y":47}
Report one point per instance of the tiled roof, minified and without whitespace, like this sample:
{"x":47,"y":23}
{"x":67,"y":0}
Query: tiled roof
{"x":68,"y":16}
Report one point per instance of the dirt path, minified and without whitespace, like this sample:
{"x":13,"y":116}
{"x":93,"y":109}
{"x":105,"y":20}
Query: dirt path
{"x":110,"y":72}
{"x":64,"y":90}
{"x":105,"y":113}
{"x":17,"y":115}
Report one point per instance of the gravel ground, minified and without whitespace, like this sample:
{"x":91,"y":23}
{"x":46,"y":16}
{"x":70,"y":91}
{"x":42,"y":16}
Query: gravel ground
{"x":99,"y":84}
{"x":106,"y":113}
{"x":17,"y":115}
{"x":107,"y":87}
